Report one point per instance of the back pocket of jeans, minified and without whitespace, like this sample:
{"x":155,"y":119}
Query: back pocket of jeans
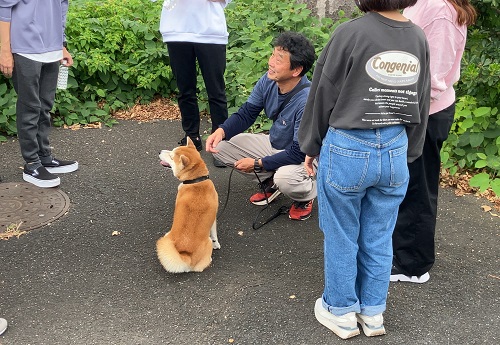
{"x":399,"y":166}
{"x":347,"y":168}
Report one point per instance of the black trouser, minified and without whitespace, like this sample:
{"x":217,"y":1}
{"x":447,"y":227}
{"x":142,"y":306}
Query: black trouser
{"x":212,"y":61}
{"x":413,"y":238}
{"x":35,"y":84}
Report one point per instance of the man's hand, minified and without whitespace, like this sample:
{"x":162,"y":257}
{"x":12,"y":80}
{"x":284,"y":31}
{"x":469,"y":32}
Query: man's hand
{"x":245,"y":165}
{"x":308,"y":164}
{"x":6,"y":58}
{"x":6,"y":63}
{"x":67,"y":60}
{"x":214,"y":139}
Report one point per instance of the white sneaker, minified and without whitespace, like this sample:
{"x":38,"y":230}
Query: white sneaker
{"x":411,"y":279}
{"x":372,"y":325}
{"x":344,"y":326}
{"x":3,"y":325}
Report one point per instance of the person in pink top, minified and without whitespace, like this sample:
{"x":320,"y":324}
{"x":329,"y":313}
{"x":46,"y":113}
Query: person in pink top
{"x":445,"y":26}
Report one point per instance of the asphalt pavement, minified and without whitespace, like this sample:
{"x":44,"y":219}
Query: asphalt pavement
{"x":92,"y":276}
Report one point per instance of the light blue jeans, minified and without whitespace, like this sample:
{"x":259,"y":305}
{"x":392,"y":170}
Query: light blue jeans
{"x":362,"y":178}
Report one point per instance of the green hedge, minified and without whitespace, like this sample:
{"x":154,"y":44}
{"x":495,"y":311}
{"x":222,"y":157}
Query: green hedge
{"x":474,"y":141}
{"x":120,"y":57}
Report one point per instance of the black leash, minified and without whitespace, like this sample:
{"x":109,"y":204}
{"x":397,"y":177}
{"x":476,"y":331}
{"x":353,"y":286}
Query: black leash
{"x":255,"y":224}
{"x":281,"y":210}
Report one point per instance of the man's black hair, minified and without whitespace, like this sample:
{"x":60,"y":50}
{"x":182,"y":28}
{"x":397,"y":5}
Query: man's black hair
{"x":300,"y":48}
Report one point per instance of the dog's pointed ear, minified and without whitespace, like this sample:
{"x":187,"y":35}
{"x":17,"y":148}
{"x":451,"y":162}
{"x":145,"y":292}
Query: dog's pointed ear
{"x":184,"y":160}
{"x":189,"y":142}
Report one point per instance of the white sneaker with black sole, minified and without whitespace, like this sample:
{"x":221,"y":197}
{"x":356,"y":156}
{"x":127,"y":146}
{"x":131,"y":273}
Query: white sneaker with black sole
{"x":40,"y":177}
{"x":57,"y":166}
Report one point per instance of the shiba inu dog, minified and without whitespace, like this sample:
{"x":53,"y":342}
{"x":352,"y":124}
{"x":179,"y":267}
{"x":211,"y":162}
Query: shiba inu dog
{"x":188,"y":245}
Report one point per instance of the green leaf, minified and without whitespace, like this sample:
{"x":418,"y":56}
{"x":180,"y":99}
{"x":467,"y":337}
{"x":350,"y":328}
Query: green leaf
{"x":480,"y":164}
{"x":476,"y":139}
{"x":482,"y":111}
{"x":467,"y":123}
{"x":459,"y":152}
{"x":445,"y":156}
{"x":481,"y":180}
{"x":495,"y":186}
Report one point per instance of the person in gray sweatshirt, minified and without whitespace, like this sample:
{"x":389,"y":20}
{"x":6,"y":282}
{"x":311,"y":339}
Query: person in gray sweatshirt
{"x":364,"y":120}
{"x":32,"y":47}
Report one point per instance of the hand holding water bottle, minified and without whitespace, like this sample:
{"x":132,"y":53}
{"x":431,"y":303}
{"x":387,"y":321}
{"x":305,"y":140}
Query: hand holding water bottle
{"x":66,"y":62}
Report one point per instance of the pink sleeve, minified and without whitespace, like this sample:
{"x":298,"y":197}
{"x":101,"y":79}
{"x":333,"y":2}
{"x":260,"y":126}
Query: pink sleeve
{"x":446,"y":43}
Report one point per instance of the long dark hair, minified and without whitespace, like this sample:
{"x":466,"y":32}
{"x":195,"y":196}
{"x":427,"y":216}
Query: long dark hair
{"x":383,"y":5}
{"x":466,"y":13}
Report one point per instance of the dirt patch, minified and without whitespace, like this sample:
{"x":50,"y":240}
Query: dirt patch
{"x":460,"y":182}
{"x":158,"y":109}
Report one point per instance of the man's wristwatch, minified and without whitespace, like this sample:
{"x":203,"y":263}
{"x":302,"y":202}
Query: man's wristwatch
{"x":256,"y":166}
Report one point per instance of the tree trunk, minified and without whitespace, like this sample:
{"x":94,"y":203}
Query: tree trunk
{"x":330,"y":8}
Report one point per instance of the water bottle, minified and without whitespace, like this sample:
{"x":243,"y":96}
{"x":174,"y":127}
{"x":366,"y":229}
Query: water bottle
{"x":62,"y":77}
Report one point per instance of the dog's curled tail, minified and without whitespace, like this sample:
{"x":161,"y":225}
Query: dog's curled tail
{"x":171,"y":260}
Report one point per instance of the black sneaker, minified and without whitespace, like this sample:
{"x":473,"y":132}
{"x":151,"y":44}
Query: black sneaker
{"x":196,"y":140}
{"x":40,"y":177}
{"x":218,"y":163}
{"x":57,"y":166}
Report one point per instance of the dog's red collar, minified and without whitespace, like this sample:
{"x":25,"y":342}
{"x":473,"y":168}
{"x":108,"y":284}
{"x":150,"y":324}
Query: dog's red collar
{"x":196,"y":180}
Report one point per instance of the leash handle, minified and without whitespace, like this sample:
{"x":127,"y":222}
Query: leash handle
{"x":281,"y":210}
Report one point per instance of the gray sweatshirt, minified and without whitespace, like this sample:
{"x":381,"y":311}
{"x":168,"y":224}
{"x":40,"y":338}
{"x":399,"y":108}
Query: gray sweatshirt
{"x":36,"y":26}
{"x":374,"y":72}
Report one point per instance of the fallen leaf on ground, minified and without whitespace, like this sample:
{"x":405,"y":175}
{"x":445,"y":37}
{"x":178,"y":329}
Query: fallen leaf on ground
{"x":12,"y":231}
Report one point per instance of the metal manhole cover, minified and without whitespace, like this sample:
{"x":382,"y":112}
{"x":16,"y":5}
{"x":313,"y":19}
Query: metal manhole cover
{"x":33,"y":206}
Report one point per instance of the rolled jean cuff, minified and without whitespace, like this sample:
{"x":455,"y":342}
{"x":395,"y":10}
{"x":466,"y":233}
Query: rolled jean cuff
{"x":373,"y":310}
{"x":339,"y":311}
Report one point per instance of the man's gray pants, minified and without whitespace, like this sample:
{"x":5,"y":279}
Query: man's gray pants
{"x":291,"y":180}
{"x":35,"y":84}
